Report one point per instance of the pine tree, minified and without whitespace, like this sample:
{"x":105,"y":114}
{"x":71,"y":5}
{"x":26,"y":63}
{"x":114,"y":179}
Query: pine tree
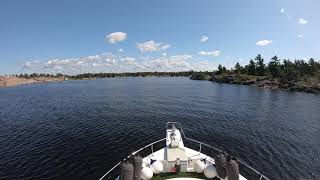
{"x":251,"y":68}
{"x":261,"y":67}
{"x":274,"y":67}
{"x":237,"y":68}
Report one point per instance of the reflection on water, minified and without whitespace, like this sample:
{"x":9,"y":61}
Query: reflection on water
{"x":79,"y":129}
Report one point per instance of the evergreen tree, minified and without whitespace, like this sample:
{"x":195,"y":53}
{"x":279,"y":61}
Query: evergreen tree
{"x":251,"y":67}
{"x":237,"y":68}
{"x":220,"y":69}
{"x":274,"y":66}
{"x":313,"y":66}
{"x":261,"y":67}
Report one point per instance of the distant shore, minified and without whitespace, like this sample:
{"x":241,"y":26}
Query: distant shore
{"x":308,"y":86}
{"x":14,"y":80}
{"x":262,"y":82}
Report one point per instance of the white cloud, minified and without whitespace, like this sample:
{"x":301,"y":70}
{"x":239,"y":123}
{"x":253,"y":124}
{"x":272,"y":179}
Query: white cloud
{"x":108,"y":62}
{"x":204,"y":39}
{"x":151,"y":46}
{"x":116,"y":37}
{"x":128,"y":60}
{"x":31,"y":64}
{"x":166,"y":46}
{"x":203,"y":66}
{"x":92,"y":58}
{"x":164,"y":54}
{"x":209,"y":53}
{"x":282,"y":10}
{"x":169,"y":63}
{"x":302,"y":21}
{"x":77,"y":65}
{"x":300,"y":35}
{"x":120,"y":50}
{"x":263,"y":42}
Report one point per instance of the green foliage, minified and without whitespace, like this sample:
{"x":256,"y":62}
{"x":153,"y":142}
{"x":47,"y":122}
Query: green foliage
{"x":251,"y":68}
{"x":237,"y":68}
{"x":286,"y":71}
{"x":220,"y":69}
{"x":274,"y":67}
{"x":109,"y":75}
{"x":261,"y":67}
{"x":132,"y":74}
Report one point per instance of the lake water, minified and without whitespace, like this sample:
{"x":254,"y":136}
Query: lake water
{"x":80,"y":129}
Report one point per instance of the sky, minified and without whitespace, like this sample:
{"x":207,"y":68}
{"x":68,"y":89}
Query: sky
{"x":78,"y":36}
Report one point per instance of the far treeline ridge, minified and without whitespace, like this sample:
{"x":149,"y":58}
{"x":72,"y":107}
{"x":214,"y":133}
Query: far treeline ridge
{"x":284,"y":69}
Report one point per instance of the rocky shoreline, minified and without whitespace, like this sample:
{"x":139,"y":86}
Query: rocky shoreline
{"x":262,"y":82}
{"x":9,"y":81}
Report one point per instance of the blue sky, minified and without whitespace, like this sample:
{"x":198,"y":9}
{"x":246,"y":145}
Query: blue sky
{"x":169,"y":35}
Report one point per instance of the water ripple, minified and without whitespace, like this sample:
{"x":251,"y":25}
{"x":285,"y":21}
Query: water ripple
{"x":79,"y":129}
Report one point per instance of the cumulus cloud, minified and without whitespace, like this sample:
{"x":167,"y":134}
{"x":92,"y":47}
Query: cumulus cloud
{"x":94,"y":63}
{"x":204,"y":39}
{"x":168,"y":63}
{"x":151,"y":46}
{"x":302,"y":21}
{"x":128,"y":60}
{"x":116,"y":37}
{"x":31,"y":64}
{"x":108,"y":62}
{"x":209,"y":53}
{"x":92,"y":58}
{"x":263,"y":42}
{"x":203,"y":66}
{"x":300,"y":35}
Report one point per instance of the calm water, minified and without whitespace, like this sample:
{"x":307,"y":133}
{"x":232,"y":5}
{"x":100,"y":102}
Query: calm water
{"x":79,"y":129}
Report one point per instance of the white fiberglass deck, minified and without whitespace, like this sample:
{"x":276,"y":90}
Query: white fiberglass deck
{"x":169,"y":154}
{"x":175,"y":158}
{"x":191,"y":154}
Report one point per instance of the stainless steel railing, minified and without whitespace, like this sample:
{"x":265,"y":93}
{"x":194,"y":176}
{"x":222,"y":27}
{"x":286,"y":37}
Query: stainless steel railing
{"x":201,"y":145}
{"x":261,"y":176}
{"x":131,"y":155}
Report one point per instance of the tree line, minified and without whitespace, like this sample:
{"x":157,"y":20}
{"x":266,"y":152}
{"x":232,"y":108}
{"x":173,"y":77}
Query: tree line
{"x":275,"y":68}
{"x":36,"y":75}
{"x":131,"y":74}
{"x":107,"y":75}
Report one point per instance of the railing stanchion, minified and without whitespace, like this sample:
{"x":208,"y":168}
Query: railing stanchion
{"x":152,"y":149}
{"x":200,"y":148}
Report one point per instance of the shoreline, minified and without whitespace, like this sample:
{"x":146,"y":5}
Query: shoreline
{"x":253,"y":81}
{"x":262,"y":82}
{"x":12,"y":81}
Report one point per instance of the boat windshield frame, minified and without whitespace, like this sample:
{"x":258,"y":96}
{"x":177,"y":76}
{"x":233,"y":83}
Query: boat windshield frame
{"x":201,"y":144}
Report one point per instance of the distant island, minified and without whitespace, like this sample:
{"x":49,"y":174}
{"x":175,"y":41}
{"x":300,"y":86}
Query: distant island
{"x":297,"y":75}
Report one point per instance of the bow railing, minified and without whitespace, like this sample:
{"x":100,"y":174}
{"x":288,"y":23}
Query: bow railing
{"x":245,"y":168}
